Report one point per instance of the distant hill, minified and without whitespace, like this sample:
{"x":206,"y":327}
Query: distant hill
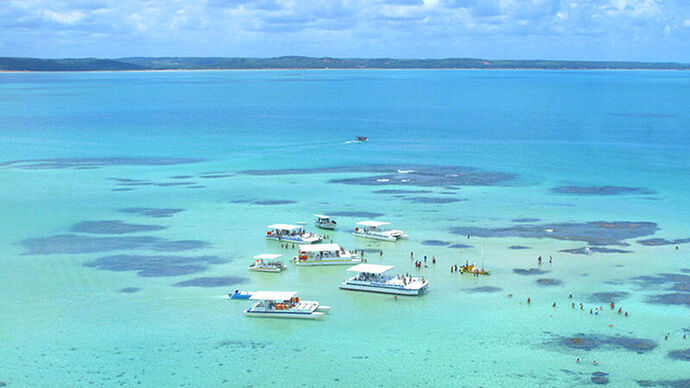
{"x":297,"y":62}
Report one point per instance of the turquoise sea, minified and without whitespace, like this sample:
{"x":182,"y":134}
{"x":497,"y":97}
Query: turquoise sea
{"x":132,"y":203}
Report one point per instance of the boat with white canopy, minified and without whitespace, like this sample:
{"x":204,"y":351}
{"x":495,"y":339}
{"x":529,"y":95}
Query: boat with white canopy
{"x":324,"y":222}
{"x":374,"y":278}
{"x":284,"y":304}
{"x":293,"y":233}
{"x":378,"y":230}
{"x":266,"y":262}
{"x":325,"y":254}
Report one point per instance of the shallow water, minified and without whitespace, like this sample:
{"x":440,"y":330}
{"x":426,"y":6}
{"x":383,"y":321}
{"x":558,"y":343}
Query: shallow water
{"x":137,"y":291}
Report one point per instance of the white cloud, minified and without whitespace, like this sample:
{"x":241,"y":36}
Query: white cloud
{"x":68,"y":17}
{"x":667,"y":30}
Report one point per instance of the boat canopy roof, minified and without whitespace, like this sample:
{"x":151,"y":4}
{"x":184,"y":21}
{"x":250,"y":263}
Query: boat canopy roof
{"x":272,"y":295}
{"x":374,"y":224}
{"x":284,"y":227}
{"x":319,"y":248}
{"x":321,"y":216}
{"x":267,"y":256}
{"x":371,"y":268}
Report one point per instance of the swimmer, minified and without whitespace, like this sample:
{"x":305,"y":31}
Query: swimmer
{"x":666,"y":338}
{"x":433,"y":259}
{"x":554,"y":304}
{"x":684,"y":336}
{"x":577,"y":360}
{"x":595,"y":362}
{"x":570,"y":296}
{"x":590,"y":311}
{"x":613,"y":306}
{"x":626,"y":313}
{"x":529,"y":300}
{"x":620,"y":310}
{"x":572,"y":304}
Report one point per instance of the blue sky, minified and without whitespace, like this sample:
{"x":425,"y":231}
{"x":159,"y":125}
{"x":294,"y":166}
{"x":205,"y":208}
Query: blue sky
{"x":647,"y":30}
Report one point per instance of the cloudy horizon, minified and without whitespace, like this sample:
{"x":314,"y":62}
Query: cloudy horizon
{"x":625,"y":30}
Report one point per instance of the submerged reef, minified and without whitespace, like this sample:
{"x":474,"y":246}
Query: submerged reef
{"x":528,"y":272}
{"x":549,"y":282}
{"x":460,"y":246}
{"x":440,"y":176}
{"x":269,"y":202}
{"x":76,"y":244}
{"x":152,"y":212}
{"x":92,"y":163}
{"x":433,"y":199}
{"x":483,"y":289}
{"x":222,"y":281}
{"x":661,"y":241}
{"x":682,"y":355}
{"x":600,"y":190}
{"x":155,"y":266}
{"x":435,"y":243}
{"x":608,"y":297}
{"x":594,"y":233}
{"x":589,"y":342}
{"x":526,"y":219}
{"x":518,"y":247}
{"x":112,"y":227}
{"x":399,"y":191}
{"x":591,"y":250}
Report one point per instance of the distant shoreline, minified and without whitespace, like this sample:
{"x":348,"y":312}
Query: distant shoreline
{"x":22,"y":64}
{"x":326,"y":69}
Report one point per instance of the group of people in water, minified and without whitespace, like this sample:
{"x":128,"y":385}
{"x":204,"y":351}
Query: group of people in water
{"x":418,"y":263}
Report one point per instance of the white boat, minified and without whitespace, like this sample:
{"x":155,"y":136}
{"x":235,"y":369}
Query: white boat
{"x":325,"y":254}
{"x":284,"y":304}
{"x":377,"y":230}
{"x":293,"y":233}
{"x":373,"y":278}
{"x":324,"y":222}
{"x":267,"y":263}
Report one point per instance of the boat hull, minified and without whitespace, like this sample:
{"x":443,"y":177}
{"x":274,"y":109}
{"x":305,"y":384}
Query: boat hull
{"x":375,"y":237}
{"x":327,"y":262}
{"x":325,"y":226}
{"x":383,"y":290}
{"x":254,"y":269}
{"x":284,"y":315}
{"x":294,"y":239}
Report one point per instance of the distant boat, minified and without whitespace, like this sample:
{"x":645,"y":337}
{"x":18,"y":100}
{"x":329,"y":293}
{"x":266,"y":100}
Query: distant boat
{"x":324,"y":222}
{"x":361,"y":139}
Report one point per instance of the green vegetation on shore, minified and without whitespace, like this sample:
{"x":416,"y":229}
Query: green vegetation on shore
{"x":297,"y":62}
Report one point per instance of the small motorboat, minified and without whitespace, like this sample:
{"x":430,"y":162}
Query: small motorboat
{"x":240,"y":294}
{"x":267,"y":263}
{"x":361,"y":139}
{"x":324,"y":222}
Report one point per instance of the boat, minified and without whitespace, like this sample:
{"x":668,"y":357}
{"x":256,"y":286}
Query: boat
{"x":361,"y":139}
{"x":293,"y":233}
{"x":473,"y":269}
{"x":267,"y":263}
{"x":324,"y":222}
{"x":377,"y":230}
{"x":373,"y":278}
{"x":284,"y":304}
{"x":324,"y":254}
{"x":240,"y":294}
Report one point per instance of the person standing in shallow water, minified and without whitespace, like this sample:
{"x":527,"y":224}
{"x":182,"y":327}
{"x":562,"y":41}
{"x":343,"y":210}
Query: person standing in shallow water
{"x":539,"y":260}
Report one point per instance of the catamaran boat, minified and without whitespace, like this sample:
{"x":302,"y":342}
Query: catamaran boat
{"x":324,"y":222}
{"x":325,"y":254}
{"x":294,"y":233}
{"x":373,"y":278}
{"x":378,"y":231}
{"x":284,"y":304}
{"x":267,"y":263}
